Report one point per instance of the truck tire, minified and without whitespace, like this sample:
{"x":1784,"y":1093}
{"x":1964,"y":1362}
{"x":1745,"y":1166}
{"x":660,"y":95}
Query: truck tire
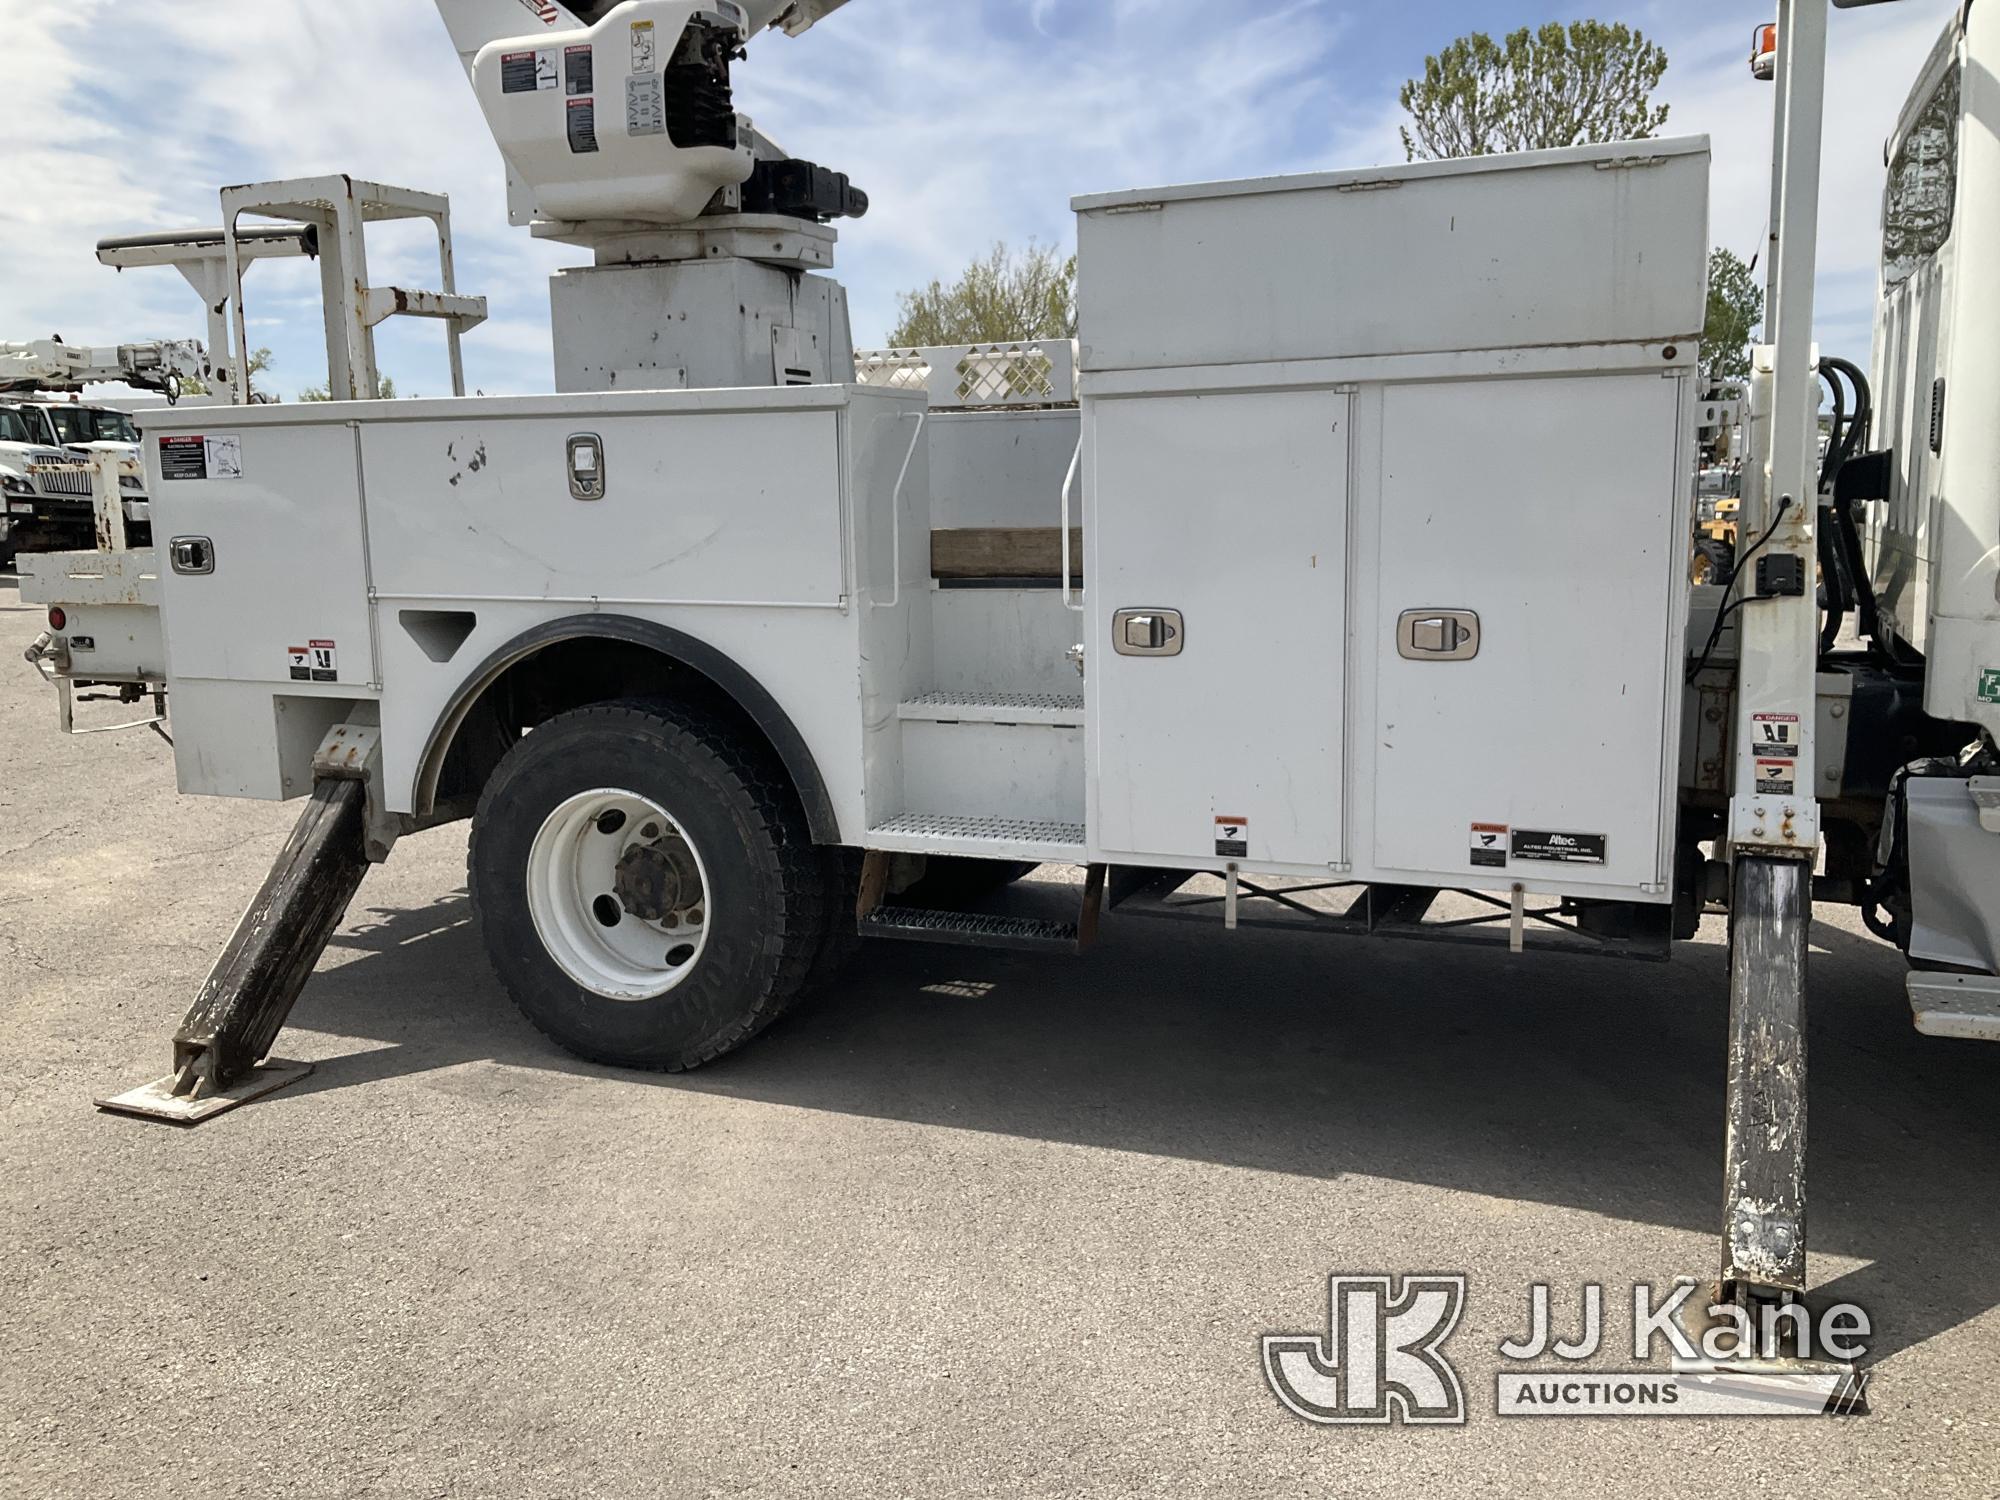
{"x":645,"y":885}
{"x":1714,"y":562}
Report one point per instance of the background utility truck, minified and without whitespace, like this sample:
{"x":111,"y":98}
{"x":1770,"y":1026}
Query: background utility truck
{"x":50,"y":437}
{"x":1255,"y":631}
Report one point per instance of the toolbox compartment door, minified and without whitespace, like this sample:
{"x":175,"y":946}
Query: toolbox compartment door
{"x":280,"y":509}
{"x":1231,"y":512}
{"x":1552,"y":511}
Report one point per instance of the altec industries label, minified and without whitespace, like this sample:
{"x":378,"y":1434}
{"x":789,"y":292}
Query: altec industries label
{"x":192,"y":456}
{"x":1558,"y":848}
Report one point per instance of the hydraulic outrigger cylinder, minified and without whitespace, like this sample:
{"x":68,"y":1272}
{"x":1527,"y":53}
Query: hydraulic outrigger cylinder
{"x":1773,"y":834}
{"x":243,"y":1004}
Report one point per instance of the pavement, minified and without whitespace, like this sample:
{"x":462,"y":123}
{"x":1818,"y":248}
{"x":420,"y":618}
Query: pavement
{"x":969,"y":1224}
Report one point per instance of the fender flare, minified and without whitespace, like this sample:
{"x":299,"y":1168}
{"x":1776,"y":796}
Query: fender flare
{"x":677,"y":646}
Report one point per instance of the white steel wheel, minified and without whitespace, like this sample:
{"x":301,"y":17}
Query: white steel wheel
{"x":618,"y":894}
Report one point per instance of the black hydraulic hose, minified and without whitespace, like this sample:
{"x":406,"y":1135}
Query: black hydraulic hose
{"x":1867,"y":612}
{"x":1837,"y":436}
{"x":1864,"y":403}
{"x":1826,"y":542}
{"x":1867,"y":608}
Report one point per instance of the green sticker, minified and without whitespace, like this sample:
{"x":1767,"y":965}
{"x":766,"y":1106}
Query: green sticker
{"x":1989,"y":685}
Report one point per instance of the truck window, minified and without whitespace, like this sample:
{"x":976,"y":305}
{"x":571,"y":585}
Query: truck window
{"x":1923,"y":182}
{"x":92,"y":424}
{"x":12,"y":428}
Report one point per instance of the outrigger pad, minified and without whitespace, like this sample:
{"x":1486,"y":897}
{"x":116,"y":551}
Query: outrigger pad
{"x":158,"y":1101}
{"x":1783,"y":1382}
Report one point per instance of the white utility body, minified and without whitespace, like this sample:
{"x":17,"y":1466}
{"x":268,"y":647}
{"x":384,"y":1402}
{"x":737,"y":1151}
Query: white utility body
{"x":1308,"y":457}
{"x":1267,"y":590}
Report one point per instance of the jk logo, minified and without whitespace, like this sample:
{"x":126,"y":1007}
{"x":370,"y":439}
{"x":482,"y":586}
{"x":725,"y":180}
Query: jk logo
{"x":1379,"y":1361}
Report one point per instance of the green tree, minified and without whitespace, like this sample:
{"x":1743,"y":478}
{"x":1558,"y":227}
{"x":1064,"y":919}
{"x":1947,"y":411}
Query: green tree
{"x":1558,"y":85}
{"x":385,"y":390}
{"x":260,"y":361}
{"x":1735,"y":308}
{"x":1001,"y":297}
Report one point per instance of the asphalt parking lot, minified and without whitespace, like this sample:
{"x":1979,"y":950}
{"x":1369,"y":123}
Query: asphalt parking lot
{"x":970,"y":1224}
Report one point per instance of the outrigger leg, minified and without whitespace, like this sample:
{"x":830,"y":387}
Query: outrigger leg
{"x":220,"y":1047}
{"x":1766,"y":1351}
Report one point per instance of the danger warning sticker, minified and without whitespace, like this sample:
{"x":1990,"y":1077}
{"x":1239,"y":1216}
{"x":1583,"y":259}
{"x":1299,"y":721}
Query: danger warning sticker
{"x":1777,"y":736}
{"x":189,"y":456}
{"x":581,"y":64}
{"x":1777,"y":778}
{"x":582,"y":126}
{"x":316,"y":661}
{"x":1232,"y":838}
{"x":528,"y":72}
{"x":1489,"y":846}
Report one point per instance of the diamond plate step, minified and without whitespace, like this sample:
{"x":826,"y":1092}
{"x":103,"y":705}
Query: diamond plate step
{"x":983,"y":838}
{"x":994,"y":708}
{"x":965,"y":930}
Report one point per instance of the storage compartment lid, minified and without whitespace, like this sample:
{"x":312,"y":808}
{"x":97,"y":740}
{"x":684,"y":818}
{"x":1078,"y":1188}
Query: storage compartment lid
{"x":1587,"y":245}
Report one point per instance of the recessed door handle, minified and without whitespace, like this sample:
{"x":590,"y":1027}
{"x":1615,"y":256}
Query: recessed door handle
{"x":191,"y":554}
{"x":1437,"y":635}
{"x":1147,"y":632}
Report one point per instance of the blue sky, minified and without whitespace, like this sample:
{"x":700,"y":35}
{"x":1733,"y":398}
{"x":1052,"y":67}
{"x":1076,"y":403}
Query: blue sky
{"x":967,"y":121}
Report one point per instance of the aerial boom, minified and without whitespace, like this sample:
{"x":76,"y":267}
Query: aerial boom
{"x":52,"y":365}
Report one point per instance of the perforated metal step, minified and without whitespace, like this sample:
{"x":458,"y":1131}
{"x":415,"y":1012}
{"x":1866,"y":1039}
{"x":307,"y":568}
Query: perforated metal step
{"x":987,"y":838}
{"x":963,"y":929}
{"x":995,"y":708}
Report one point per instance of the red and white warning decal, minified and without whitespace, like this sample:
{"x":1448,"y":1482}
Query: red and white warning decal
{"x":316,"y":661}
{"x":194,"y":456}
{"x":1232,"y":838}
{"x":1489,"y":846}
{"x":1777,"y":736}
{"x":544,"y":10}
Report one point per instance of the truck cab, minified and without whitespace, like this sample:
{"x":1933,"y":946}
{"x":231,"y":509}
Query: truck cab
{"x":44,"y":446}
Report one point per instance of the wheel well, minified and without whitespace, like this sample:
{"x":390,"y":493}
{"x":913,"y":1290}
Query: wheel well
{"x":568,"y":664}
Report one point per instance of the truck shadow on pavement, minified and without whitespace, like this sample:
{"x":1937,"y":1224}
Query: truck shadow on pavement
{"x":1568,"y":1081}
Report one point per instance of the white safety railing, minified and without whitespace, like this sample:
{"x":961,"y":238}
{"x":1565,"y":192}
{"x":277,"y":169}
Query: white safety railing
{"x":1031,"y":372}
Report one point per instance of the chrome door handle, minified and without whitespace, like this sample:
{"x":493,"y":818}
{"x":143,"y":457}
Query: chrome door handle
{"x":191,"y":554}
{"x":1148,"y":632}
{"x":1437,"y":635}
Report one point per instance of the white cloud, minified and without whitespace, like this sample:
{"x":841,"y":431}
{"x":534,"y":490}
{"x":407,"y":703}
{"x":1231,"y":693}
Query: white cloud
{"x":962,"y":129}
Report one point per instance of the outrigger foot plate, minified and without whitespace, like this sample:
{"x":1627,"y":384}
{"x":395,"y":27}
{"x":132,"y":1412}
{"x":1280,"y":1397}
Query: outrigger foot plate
{"x":244,"y":1001}
{"x":158,"y":1101}
{"x":1781,"y":1381}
